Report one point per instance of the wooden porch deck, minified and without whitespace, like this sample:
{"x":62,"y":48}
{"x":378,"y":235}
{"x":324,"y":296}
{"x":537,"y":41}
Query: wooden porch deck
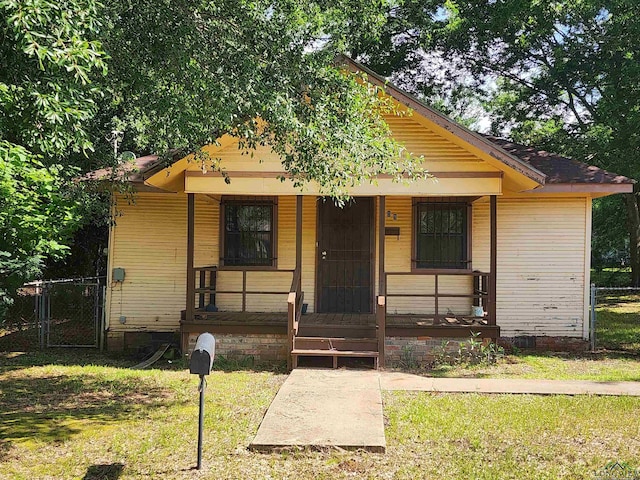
{"x":340,"y":324}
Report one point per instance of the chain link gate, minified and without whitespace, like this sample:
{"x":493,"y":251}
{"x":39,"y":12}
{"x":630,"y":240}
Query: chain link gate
{"x":70,"y":312}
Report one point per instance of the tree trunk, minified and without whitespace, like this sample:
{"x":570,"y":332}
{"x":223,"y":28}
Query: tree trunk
{"x":633,"y":225}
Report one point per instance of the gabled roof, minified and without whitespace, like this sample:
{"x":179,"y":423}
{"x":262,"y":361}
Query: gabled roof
{"x":447,"y":124}
{"x":559,"y":169}
{"x":534,"y":167}
{"x":555,"y":169}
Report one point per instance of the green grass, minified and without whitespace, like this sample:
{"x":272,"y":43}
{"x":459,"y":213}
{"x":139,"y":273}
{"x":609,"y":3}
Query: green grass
{"x":604,"y":367}
{"x":618,"y":322}
{"x":502,"y":436}
{"x":617,"y":357}
{"x":82,"y":415}
{"x":81,"y":419}
{"x":58,"y":420}
{"x":611,"y":277}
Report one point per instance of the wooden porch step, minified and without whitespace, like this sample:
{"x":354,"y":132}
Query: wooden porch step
{"x":335,"y":343}
{"x":340,"y":331}
{"x":295,"y":353}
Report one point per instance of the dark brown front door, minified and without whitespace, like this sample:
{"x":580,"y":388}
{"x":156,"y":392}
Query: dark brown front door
{"x":345,"y":256}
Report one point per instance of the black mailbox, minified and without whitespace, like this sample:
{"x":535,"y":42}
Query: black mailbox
{"x":202,"y":357}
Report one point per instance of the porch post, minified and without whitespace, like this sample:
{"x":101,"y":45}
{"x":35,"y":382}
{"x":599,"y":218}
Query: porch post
{"x":296,"y":287}
{"x":298,"y":232}
{"x":493,"y":259}
{"x":191,"y":279}
{"x":382,"y":286}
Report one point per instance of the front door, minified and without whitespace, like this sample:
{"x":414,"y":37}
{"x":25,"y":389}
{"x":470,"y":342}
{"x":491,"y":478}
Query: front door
{"x":345,"y":253}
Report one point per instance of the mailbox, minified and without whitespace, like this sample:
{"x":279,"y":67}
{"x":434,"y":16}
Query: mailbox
{"x":200,"y":363}
{"x":202,"y":357}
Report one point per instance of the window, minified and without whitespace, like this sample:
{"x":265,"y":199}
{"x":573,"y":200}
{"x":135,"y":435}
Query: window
{"x":248,"y":235}
{"x":442,"y":234}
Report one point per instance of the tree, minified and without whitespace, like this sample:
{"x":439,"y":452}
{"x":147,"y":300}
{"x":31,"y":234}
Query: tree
{"x":183,"y":73}
{"x":49,"y":56}
{"x":562,"y":74}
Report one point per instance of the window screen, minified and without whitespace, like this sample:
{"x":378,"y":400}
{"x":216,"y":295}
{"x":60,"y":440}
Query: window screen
{"x":442,"y":235}
{"x":248,"y":233}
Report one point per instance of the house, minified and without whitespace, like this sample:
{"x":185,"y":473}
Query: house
{"x":499,"y":246}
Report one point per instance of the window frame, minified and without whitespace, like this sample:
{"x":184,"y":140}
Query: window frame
{"x":249,"y":201}
{"x":441,"y":201}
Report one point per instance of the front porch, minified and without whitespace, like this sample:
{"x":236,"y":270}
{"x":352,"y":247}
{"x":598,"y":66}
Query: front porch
{"x":266,"y":300}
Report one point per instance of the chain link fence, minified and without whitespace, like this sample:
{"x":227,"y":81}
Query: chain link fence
{"x":56,"y":313}
{"x":20,"y":325}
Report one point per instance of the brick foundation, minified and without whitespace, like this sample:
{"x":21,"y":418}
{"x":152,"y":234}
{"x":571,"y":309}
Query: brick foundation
{"x":132,"y":342}
{"x":263,"y":347}
{"x":421,"y":350}
{"x":398,"y":350}
{"x":545,"y":344}
{"x":115,"y":341}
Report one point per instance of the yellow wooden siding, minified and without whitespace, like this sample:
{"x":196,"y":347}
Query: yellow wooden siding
{"x":398,"y":248}
{"x":541,"y":271}
{"x":398,"y":256}
{"x":242,"y":185}
{"x":441,"y":155}
{"x":309,"y":221}
{"x":264,"y":281}
{"x":481,"y":236}
{"x":262,"y":159}
{"x":541,"y":266}
{"x":149,"y":241}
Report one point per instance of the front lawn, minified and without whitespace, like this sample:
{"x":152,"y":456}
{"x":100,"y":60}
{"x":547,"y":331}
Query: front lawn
{"x":602,"y":367}
{"x":617,"y":357}
{"x":618,"y":321}
{"x":90,"y":418}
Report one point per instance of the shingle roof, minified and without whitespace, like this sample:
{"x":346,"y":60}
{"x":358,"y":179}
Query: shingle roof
{"x":133,"y":171}
{"x":559,"y":169}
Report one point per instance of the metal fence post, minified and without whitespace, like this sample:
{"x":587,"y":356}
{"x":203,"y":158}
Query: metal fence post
{"x":592,"y":325}
{"x":102,"y":315}
{"x":43,"y":315}
{"x":40,"y":315}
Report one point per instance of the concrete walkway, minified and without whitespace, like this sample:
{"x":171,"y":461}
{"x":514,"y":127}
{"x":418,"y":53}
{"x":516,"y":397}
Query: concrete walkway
{"x":325,"y":408}
{"x":343,"y":408}
{"x":406,"y":381}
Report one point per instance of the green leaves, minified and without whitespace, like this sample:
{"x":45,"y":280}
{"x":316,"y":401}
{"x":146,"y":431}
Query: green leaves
{"x":35,"y":216}
{"x":561,"y":75}
{"x":51,"y":57}
{"x":262,"y":71}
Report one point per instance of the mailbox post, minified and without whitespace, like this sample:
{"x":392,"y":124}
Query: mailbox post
{"x":200,"y":364}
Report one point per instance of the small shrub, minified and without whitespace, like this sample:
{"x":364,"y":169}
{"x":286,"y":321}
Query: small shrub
{"x":469,"y":352}
{"x":407,"y":358}
{"x":226,"y":363}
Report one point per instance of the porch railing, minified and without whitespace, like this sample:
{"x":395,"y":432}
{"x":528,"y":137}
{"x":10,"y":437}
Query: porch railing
{"x":207,"y":286}
{"x":480,"y":295}
{"x":294,"y":311}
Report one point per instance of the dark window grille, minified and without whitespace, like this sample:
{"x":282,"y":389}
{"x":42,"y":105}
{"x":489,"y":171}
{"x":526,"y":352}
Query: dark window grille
{"x":442,"y":235}
{"x":248,"y":233}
